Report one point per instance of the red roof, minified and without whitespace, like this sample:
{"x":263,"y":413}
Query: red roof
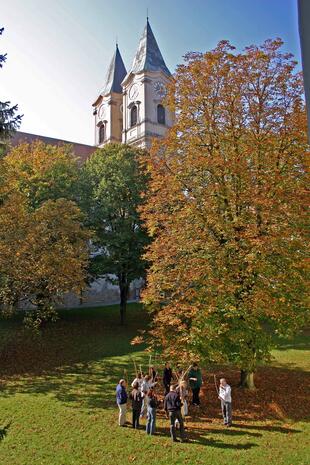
{"x":82,"y":151}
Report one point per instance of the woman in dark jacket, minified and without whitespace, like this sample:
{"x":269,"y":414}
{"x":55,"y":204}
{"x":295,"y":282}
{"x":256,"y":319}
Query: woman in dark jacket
{"x":195,"y":382}
{"x":136,"y":403}
{"x":167,"y":377}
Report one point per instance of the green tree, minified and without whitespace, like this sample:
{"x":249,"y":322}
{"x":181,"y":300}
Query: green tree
{"x":9,"y":120}
{"x":114,"y":185}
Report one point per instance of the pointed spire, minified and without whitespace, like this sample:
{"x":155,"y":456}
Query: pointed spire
{"x":148,"y":56}
{"x":115,"y":75}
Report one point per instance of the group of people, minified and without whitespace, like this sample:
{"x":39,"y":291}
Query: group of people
{"x":145,"y":401}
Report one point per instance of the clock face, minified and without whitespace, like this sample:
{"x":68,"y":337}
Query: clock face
{"x":133,"y":91}
{"x":160,"y":89}
{"x":101,"y":112}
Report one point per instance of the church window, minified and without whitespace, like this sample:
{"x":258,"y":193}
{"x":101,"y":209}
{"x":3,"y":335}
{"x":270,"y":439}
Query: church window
{"x":102,"y":134}
{"x":133,"y":116}
{"x":161,"y":114}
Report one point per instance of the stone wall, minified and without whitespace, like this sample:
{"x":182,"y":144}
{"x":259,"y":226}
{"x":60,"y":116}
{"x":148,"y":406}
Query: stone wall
{"x":102,"y":292}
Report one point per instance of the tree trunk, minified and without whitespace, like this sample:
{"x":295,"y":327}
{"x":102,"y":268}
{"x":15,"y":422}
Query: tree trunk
{"x":81,"y":297}
{"x":247,"y":379}
{"x":124,"y":288}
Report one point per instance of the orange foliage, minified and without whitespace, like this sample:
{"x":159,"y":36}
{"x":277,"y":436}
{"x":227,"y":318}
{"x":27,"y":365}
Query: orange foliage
{"x":43,"y":245}
{"x":226,"y":207}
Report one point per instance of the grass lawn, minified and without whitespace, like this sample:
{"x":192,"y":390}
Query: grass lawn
{"x":57,"y":402}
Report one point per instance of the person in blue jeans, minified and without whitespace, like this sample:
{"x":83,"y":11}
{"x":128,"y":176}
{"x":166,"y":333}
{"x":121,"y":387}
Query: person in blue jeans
{"x":151,"y":412}
{"x":172,"y":407}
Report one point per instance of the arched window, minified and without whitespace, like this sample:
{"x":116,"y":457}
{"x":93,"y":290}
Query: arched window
{"x":133,"y":116}
{"x":102,"y":134}
{"x":161,"y":114}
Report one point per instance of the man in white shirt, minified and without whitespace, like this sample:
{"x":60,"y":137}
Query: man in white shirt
{"x":138,"y":379}
{"x":225,"y":398}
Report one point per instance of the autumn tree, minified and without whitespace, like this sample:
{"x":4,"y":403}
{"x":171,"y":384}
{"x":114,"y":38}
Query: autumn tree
{"x":114,"y":185}
{"x":226,"y":208}
{"x":43,"y":243}
{"x":9,"y":120}
{"x":43,"y":254}
{"x":40,"y":172}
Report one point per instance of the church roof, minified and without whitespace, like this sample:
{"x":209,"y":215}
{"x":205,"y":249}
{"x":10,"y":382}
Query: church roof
{"x":81,"y":151}
{"x":148,"y":56}
{"x":115,"y":75}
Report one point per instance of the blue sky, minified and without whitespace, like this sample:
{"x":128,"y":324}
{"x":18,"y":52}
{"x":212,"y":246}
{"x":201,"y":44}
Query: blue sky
{"x":58,"y":50}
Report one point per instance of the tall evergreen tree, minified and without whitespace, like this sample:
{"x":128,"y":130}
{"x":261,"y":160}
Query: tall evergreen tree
{"x":9,"y":120}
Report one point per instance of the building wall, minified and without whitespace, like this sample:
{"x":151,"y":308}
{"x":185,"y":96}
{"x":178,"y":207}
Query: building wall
{"x":102,"y":292}
{"x":109,"y":112}
{"x":140,"y":90}
{"x":304,"y":31}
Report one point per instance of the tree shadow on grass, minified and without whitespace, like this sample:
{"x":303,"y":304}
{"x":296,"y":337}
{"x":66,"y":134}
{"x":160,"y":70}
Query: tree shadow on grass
{"x":87,"y":385}
{"x":198,"y":437}
{"x":80,"y":359}
{"x":4,"y":431}
{"x":272,"y":428}
{"x":231,"y":432}
{"x":80,"y":336}
{"x":203,"y":427}
{"x":91,"y":385}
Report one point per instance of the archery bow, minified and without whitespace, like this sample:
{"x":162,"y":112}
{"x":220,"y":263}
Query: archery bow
{"x":215,"y":383}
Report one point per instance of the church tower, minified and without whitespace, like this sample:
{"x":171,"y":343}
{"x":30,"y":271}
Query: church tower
{"x":144,"y":87}
{"x":108,"y":108}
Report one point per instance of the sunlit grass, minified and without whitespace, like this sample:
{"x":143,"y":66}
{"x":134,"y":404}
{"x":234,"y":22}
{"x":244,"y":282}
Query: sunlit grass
{"x":57,"y":402}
